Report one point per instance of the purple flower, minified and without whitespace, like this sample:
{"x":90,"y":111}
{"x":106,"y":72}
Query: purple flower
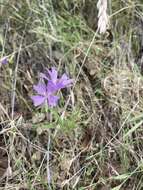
{"x":45,"y":95}
{"x":58,"y":83}
{"x":46,"y":91}
{"x":4,"y":61}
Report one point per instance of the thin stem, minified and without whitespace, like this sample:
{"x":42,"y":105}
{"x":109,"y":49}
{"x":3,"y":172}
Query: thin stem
{"x":48,"y":160}
{"x":48,"y":155}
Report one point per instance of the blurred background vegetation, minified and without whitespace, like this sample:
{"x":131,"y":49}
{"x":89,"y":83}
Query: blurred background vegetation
{"x":97,"y":142}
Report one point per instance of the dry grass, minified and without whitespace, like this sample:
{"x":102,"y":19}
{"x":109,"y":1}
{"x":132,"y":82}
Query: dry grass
{"x":96,"y":131}
{"x":102,"y":16}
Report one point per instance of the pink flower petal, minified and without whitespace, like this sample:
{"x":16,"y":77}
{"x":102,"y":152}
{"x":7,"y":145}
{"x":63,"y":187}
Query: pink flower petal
{"x":51,"y":87}
{"x":65,"y":81}
{"x":40,"y":88}
{"x":38,"y":100}
{"x":53,"y":74}
{"x":53,"y":100}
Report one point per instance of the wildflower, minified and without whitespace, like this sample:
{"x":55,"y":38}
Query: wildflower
{"x":58,"y":83}
{"x":46,"y":91}
{"x":4,"y":61}
{"x":45,"y":95}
